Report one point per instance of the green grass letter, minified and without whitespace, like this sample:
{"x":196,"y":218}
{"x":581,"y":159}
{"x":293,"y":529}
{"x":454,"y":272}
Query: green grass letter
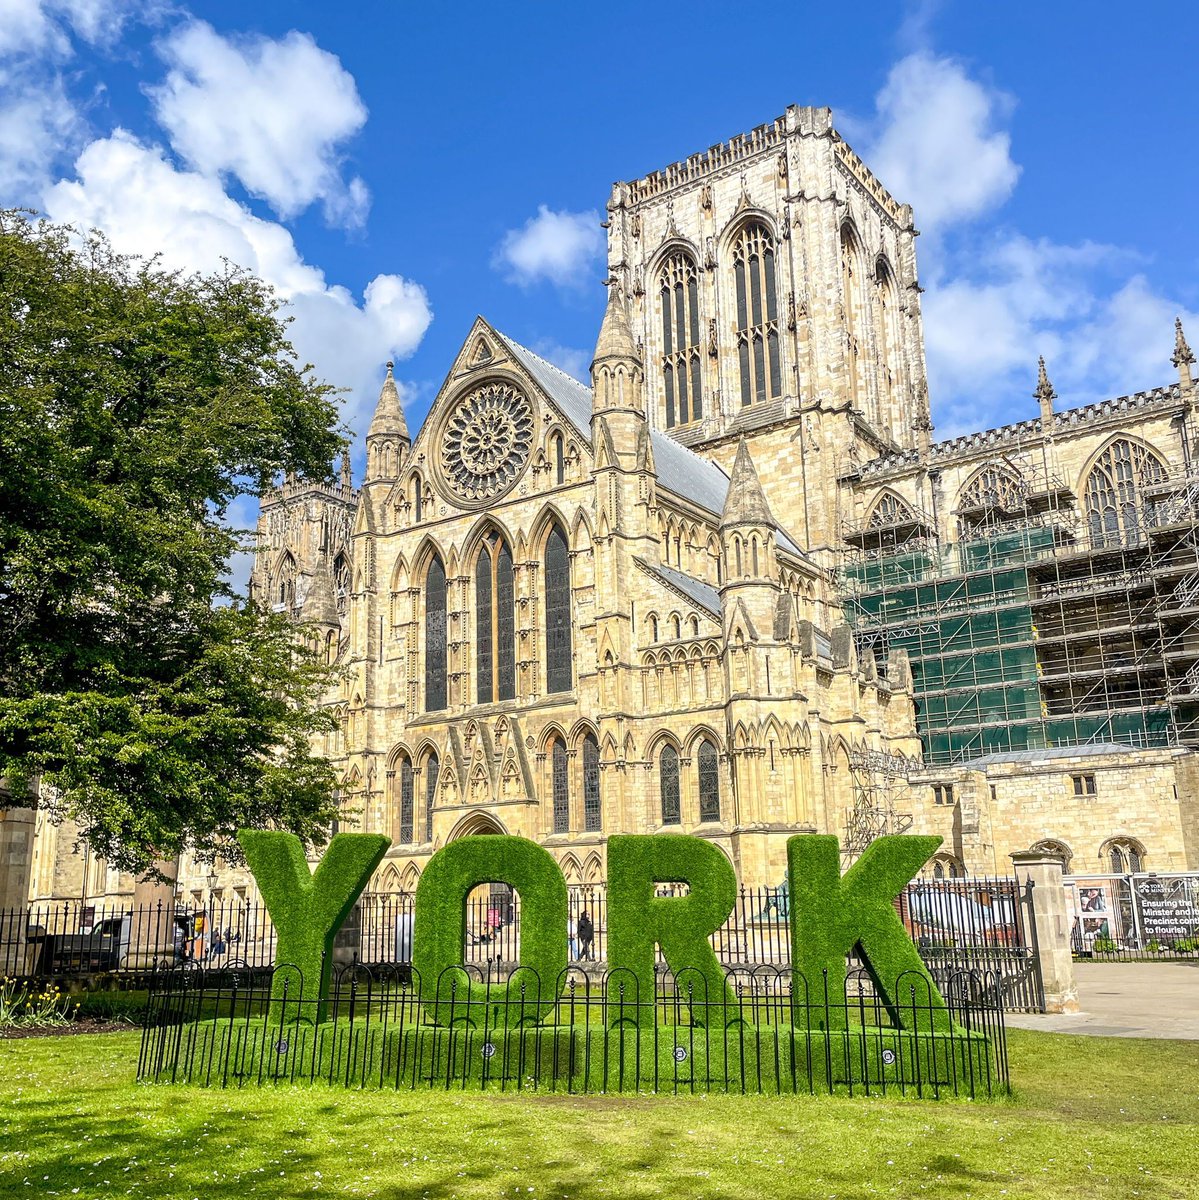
{"x":308,"y":908}
{"x":447,"y":992}
{"x":831,"y":914}
{"x":681,"y":925}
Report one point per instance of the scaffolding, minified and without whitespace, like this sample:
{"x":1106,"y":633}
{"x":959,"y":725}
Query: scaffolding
{"x":1032,"y":630}
{"x":878,"y":780}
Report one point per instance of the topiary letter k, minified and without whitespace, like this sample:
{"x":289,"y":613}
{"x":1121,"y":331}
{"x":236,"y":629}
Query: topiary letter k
{"x":308,"y":907}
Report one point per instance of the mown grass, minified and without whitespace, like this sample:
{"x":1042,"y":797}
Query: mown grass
{"x":1092,"y":1118}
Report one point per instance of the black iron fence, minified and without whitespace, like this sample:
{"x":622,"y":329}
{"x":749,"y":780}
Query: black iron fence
{"x":956,"y":924}
{"x":1134,"y":918}
{"x":593,"y":1033}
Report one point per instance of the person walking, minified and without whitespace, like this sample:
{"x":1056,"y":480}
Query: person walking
{"x":572,"y":938}
{"x":586,"y":934}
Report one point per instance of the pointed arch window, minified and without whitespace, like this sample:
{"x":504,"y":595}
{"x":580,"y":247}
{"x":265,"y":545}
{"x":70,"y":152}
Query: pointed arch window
{"x":432,"y":772}
{"x":407,"y":802}
{"x":417,"y":500}
{"x":559,"y":460}
{"x":855,"y":317}
{"x":341,"y":583}
{"x":888,"y":311}
{"x":757,"y":314}
{"x":560,"y":785}
{"x":1114,"y":492}
{"x":286,"y":588}
{"x":679,"y":293}
{"x":994,"y":489}
{"x":668,"y":784}
{"x":1124,"y":856}
{"x":709,"y":782}
{"x":495,"y":622}
{"x":435,"y":634}
{"x":558,"y":669}
{"x":592,"y":810}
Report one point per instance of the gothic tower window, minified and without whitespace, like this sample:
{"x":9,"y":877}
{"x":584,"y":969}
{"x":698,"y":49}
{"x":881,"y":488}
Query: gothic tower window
{"x":560,"y":785}
{"x":559,"y":460}
{"x":1115,"y":504}
{"x":679,"y":294}
{"x":558,"y":674}
{"x":855,"y":317}
{"x":407,"y":802}
{"x":341,"y":583}
{"x":285,"y":591}
{"x":417,"y":500}
{"x":432,"y":771}
{"x":668,"y":784}
{"x":435,"y":635}
{"x":1124,"y":856}
{"x":592,"y":812}
{"x":757,"y":314}
{"x":495,"y":623}
{"x":890,"y":353}
{"x":709,"y":782}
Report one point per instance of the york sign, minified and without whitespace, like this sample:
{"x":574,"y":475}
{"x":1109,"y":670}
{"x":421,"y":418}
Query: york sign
{"x":830,"y":915}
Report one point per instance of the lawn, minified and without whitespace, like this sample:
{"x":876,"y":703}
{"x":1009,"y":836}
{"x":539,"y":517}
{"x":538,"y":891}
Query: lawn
{"x":1093,"y":1117}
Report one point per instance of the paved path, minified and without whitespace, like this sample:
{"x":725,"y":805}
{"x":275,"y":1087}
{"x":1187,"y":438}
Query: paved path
{"x":1153,"y":1000}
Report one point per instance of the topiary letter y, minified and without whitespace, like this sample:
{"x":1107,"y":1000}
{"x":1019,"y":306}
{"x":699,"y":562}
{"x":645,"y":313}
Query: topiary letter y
{"x":308,"y":908}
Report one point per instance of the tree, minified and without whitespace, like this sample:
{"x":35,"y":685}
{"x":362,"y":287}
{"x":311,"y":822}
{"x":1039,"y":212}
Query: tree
{"x":136,"y":403}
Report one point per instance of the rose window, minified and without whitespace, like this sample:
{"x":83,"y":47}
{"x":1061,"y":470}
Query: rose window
{"x":486,"y":442}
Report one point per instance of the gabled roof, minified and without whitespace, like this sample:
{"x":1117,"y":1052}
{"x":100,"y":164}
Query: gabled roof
{"x":680,"y":470}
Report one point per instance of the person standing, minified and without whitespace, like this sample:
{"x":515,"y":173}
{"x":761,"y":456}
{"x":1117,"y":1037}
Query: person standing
{"x":586,"y":934}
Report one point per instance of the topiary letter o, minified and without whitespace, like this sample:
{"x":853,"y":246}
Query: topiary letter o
{"x":440,"y":930}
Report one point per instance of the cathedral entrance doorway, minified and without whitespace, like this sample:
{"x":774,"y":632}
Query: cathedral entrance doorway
{"x":491,"y":907}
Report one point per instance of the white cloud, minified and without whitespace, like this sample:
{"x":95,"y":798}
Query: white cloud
{"x":37,"y":121}
{"x":148,"y":206}
{"x":42,"y":26}
{"x":558,"y":246}
{"x":271,"y":112}
{"x":936,"y":143}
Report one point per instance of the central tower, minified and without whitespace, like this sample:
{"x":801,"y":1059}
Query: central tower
{"x":773,"y":296}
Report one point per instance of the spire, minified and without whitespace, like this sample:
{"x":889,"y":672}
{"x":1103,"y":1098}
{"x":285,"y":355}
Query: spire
{"x":347,"y":478}
{"x":389,"y":416}
{"x":320,"y":605}
{"x":615,"y":336}
{"x":1045,"y":394}
{"x":1182,"y":359}
{"x":745,"y":503}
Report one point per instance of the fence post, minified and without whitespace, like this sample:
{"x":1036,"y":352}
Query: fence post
{"x":152,"y":938}
{"x":1048,"y":921}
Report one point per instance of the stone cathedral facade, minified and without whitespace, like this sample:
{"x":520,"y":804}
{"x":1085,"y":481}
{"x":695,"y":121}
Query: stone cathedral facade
{"x":643,"y":602}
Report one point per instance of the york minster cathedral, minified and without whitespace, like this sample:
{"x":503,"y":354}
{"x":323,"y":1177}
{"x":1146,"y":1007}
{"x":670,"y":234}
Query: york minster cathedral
{"x":731,"y":585}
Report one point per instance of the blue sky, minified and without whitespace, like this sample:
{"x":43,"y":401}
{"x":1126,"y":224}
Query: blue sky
{"x":395,"y":169}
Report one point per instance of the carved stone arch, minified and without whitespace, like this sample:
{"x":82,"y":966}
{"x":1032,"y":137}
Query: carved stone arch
{"x":579,"y":730}
{"x":772,"y":725}
{"x":679,"y":656}
{"x":838,"y":754}
{"x":481,"y":352}
{"x":581,"y":535}
{"x":389,"y":880}
{"x":593,"y":869}
{"x":398,"y":751}
{"x":630,"y":747}
{"x":424,"y":748}
{"x":426,"y":550}
{"x":888,"y":508}
{"x":693,"y":653}
{"x":997,"y":485}
{"x":674,"y":244}
{"x":750,"y":215}
{"x":411,"y":877}
{"x":698,"y":734}
{"x":476,"y":823}
{"x":485,"y":525}
{"x":1056,"y":848}
{"x":549,"y":516}
{"x":805,"y":737}
{"x":548,"y":734}
{"x":1130,"y":851}
{"x":572,"y":870}
{"x":401,"y":574}
{"x":741,"y":736}
{"x":609,"y":752}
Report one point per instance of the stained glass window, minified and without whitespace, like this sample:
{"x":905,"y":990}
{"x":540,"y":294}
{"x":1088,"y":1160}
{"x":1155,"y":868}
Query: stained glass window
{"x":558,"y":672}
{"x":561,"y":786}
{"x":1115,"y":505}
{"x":679,"y":295}
{"x":757,"y":314}
{"x":407,"y":807}
{"x":592,"y":812}
{"x":668,"y":781}
{"x":495,"y":623}
{"x":435,"y":631}
{"x":559,"y":460}
{"x":432,"y":771}
{"x":709,"y":782}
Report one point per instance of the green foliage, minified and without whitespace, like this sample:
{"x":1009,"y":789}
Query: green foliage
{"x":681,"y":925}
{"x":127,"y":1007}
{"x":1186,"y":946}
{"x":136,"y":405}
{"x":439,"y":933}
{"x":308,"y":908}
{"x":1104,"y":945}
{"x":832,"y":914}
